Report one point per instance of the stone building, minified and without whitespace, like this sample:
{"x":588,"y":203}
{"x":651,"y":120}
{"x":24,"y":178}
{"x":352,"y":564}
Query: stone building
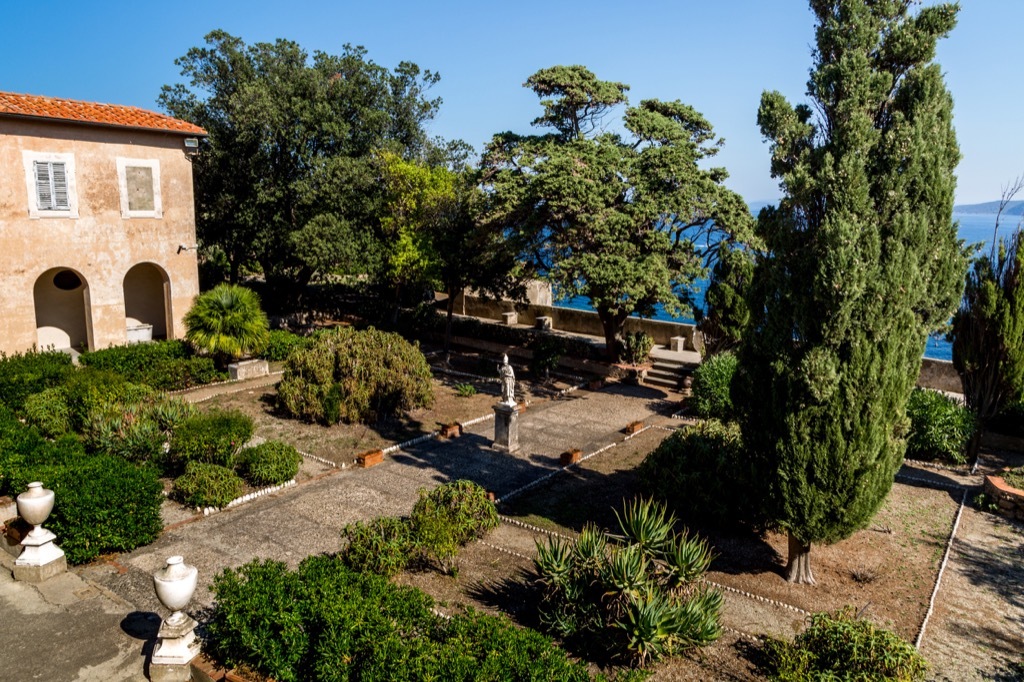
{"x":97,"y":224}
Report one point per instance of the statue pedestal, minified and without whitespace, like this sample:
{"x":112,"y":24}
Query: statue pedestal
{"x":41,"y":558}
{"x":506,"y":427}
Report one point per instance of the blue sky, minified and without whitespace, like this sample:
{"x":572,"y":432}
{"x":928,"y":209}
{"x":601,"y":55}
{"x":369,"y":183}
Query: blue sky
{"x":715,"y":56}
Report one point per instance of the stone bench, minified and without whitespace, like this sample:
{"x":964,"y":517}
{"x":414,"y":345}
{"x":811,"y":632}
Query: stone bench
{"x":510,"y":318}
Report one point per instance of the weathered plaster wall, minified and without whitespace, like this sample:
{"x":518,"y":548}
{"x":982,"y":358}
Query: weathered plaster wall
{"x":100,"y":245}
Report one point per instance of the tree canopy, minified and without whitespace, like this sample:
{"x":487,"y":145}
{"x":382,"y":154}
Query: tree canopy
{"x":285,"y":181}
{"x":862,"y":262}
{"x":616,"y":218}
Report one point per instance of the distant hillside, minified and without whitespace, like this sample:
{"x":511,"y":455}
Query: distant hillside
{"x":1014,"y":208}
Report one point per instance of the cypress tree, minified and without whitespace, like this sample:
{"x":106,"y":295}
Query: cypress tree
{"x":862,"y":261}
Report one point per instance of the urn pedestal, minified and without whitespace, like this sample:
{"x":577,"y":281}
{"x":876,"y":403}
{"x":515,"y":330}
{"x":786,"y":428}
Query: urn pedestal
{"x":176,"y":643}
{"x":40,"y":558}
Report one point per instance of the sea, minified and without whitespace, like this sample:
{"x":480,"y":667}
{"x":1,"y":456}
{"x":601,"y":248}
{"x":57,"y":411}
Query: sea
{"x":974,"y":228}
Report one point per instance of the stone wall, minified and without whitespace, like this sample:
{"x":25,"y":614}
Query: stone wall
{"x":939,"y":375}
{"x":1009,"y":499}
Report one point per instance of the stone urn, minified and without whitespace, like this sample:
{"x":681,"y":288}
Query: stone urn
{"x":35,"y":505}
{"x":175,"y":583}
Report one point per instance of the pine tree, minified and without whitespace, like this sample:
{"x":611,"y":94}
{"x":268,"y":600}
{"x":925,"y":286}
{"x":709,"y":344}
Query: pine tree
{"x":862,"y":262}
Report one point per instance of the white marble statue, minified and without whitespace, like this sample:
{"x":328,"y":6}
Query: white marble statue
{"x":508,"y":382}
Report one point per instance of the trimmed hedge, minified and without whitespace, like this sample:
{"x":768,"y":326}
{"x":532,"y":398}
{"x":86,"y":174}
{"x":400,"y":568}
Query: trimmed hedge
{"x":449,"y":516}
{"x":211,"y":438}
{"x":327,"y":623}
{"x":939,"y":427}
{"x":269,"y":463}
{"x":164,"y":365}
{"x":281,"y":343}
{"x":24,"y":374}
{"x":207,"y":485}
{"x":355,"y":376}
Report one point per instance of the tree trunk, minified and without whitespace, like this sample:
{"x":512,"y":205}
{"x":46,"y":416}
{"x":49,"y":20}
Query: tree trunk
{"x":450,"y":310}
{"x":799,"y":568}
{"x":611,"y":323}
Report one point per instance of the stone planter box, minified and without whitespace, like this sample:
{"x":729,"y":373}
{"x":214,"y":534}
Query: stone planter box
{"x":370,"y":459}
{"x":451,"y":430}
{"x":571,"y":457}
{"x":139,"y":333}
{"x":248,"y":369}
{"x":1009,"y":499}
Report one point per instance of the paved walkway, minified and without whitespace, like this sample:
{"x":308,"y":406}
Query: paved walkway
{"x":98,"y":621}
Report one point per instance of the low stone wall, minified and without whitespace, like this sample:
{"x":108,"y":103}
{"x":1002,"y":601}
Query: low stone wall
{"x":577,"y":321}
{"x":1009,"y":499}
{"x":939,"y":375}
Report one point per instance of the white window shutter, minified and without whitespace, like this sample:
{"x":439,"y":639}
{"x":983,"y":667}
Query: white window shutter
{"x":44,"y":192}
{"x":60,"y":186}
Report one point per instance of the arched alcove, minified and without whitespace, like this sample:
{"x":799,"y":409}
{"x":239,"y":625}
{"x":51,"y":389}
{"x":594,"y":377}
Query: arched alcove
{"x":147,"y":296}
{"x":61,"y":297}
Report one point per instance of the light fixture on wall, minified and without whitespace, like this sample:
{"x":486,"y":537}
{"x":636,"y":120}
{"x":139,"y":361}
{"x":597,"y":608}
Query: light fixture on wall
{"x":182,"y":247}
{"x":191,"y":146}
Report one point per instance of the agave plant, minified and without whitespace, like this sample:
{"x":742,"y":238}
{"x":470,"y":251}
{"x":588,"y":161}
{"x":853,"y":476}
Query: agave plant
{"x":650,"y":622}
{"x":591,"y":548}
{"x":686,"y":559}
{"x":696,"y":619}
{"x":647,"y":524}
{"x":626,"y":573}
{"x":227,"y":323}
{"x":170,"y":412}
{"x":554,"y":561}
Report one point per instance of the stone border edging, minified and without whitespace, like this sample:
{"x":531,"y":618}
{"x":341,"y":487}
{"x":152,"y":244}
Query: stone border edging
{"x":246,"y":498}
{"x":758,"y":597}
{"x":942,"y":568}
{"x":938,"y":485}
{"x":962,"y":469}
{"x":224,"y":383}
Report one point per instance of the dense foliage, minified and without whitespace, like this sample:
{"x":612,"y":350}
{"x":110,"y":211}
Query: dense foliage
{"x":702,"y":473}
{"x":940,"y":427}
{"x":712,"y":386}
{"x":227,"y":322}
{"x":726,"y":313}
{"x":861,"y":262}
{"x":285,"y":178}
{"x":269,"y":463}
{"x":636,"y":347}
{"x":615,"y":218}
{"x":640,"y":598}
{"x":988,"y":331}
{"x":211,"y":437}
{"x":443,"y":520}
{"x":24,"y":374}
{"x":327,"y":623}
{"x":163,"y":365}
{"x":103,"y":503}
{"x":841,"y":647}
{"x":355,"y":376}
{"x":207,"y":485}
{"x":281,"y":343}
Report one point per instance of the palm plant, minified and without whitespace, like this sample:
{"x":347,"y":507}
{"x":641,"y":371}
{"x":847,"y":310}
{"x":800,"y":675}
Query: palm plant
{"x":646,"y":523}
{"x":227,"y":323}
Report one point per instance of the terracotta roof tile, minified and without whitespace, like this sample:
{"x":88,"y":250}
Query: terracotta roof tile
{"x":14,"y":104}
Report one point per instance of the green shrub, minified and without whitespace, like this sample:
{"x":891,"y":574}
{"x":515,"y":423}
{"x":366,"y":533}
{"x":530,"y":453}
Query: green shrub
{"x":270,"y":463}
{"x":163,"y":365}
{"x":326,"y":623}
{"x":281,"y":343}
{"x":636,"y":347}
{"x":364,"y":376}
{"x":465,"y":390}
{"x":547,"y":352}
{"x":1014,"y":478}
{"x":703,"y":474}
{"x":24,"y":374}
{"x":840,"y":646}
{"x":712,"y":381}
{"x":448,"y":517}
{"x":211,"y":438}
{"x":90,"y":392}
{"x":48,"y":411}
{"x":939,"y":427}
{"x":383,"y":546}
{"x":207,"y":485}
{"x":226,"y":323}
{"x":103,"y":503}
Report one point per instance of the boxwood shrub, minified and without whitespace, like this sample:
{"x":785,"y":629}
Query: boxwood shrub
{"x":24,"y":374}
{"x":207,"y":485}
{"x":327,"y":623}
{"x":281,"y":343}
{"x":355,"y":376}
{"x":270,"y":463}
{"x":940,"y":427}
{"x":211,"y":437}
{"x":449,"y":516}
{"x":164,"y":365}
